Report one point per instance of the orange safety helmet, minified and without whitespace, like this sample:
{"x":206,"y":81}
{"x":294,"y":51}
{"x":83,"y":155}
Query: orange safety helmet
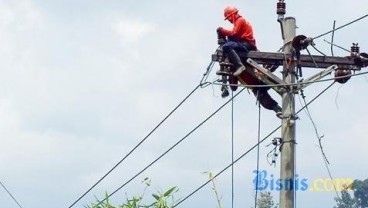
{"x":229,"y":11}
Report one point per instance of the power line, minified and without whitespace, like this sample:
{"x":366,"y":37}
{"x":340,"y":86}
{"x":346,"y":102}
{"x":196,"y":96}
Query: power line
{"x":248,"y":151}
{"x":333,"y":37}
{"x":342,"y":26}
{"x":167,"y":151}
{"x":232,"y":150}
{"x":11,"y":195}
{"x":131,"y":151}
{"x":319,"y":138}
{"x":258,"y":139}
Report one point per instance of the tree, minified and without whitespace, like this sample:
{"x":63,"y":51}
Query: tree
{"x":346,"y":201}
{"x":361,"y":192}
{"x":360,"y":199}
{"x":265,"y":200}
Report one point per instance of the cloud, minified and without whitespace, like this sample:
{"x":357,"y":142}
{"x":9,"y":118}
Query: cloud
{"x":131,"y":30}
{"x":22,"y":15}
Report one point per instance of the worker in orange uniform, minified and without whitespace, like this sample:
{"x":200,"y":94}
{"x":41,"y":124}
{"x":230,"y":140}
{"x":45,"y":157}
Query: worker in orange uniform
{"x":241,"y":38}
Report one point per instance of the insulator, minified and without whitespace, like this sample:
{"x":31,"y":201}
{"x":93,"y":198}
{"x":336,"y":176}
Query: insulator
{"x":342,"y":75}
{"x":354,"y":49}
{"x":218,"y":56}
{"x":281,"y":7}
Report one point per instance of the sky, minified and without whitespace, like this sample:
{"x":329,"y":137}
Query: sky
{"x":83,"y":82}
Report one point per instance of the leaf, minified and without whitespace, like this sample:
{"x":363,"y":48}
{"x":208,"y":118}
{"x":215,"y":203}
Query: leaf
{"x":156,"y":196}
{"x":170,"y":191}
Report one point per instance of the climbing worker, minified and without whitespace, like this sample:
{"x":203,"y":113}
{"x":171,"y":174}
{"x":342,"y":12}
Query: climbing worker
{"x":241,"y":38}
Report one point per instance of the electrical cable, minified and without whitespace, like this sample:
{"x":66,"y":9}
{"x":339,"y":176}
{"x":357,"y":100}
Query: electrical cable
{"x":258,"y":140}
{"x":332,"y":44}
{"x":11,"y":195}
{"x":248,"y":151}
{"x":167,"y":151}
{"x":232,"y":150}
{"x":342,"y":26}
{"x":337,"y":97}
{"x":333,"y":37}
{"x":204,"y":82}
{"x":314,"y":61}
{"x":319,"y":138}
{"x":131,"y":151}
{"x":315,"y":48}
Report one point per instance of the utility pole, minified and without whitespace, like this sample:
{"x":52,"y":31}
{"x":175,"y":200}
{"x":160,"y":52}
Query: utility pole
{"x":288,"y":120}
{"x":293,"y":62}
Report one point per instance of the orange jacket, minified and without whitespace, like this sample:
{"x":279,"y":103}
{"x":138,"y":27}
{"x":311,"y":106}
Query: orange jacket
{"x":242,"y":31}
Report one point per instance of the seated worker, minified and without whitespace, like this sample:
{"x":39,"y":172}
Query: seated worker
{"x":241,"y":38}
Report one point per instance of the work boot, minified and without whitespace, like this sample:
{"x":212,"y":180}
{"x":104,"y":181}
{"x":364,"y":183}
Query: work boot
{"x":278,"y":111}
{"x":235,"y":59}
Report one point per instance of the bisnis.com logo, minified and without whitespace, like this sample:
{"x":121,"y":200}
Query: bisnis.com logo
{"x":269,"y":182}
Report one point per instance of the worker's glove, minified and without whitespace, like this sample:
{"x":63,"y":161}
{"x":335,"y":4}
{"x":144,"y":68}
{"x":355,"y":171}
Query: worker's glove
{"x":219,"y":29}
{"x":221,"y":39}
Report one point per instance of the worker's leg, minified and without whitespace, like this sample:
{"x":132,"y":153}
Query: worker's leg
{"x":266,"y":100}
{"x":229,"y":49}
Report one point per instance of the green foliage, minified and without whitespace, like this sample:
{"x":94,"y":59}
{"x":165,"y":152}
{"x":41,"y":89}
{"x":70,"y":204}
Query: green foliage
{"x":346,"y":201}
{"x":161,"y":199}
{"x":360,"y":199}
{"x":218,"y":198}
{"x":361,"y":192}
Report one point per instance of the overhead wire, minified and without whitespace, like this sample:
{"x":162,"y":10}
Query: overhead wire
{"x":258,"y":140}
{"x":319,"y":51}
{"x":11,"y":195}
{"x":135,"y":147}
{"x":337,"y":46}
{"x":342,"y":26}
{"x":319,"y":138}
{"x":333,"y":37}
{"x":167,"y":151}
{"x":337,"y":97}
{"x":248,"y":151}
{"x":232,"y":150}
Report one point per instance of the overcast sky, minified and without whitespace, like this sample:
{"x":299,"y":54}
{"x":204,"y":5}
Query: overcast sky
{"x":83,"y":81}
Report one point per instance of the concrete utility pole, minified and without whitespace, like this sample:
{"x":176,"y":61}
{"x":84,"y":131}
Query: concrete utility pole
{"x":288,"y":121}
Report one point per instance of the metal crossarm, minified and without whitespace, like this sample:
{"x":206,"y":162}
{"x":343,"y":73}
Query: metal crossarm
{"x":305,"y":83}
{"x":313,"y":61}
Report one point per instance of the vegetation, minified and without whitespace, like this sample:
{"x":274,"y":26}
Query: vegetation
{"x":160,"y":200}
{"x":265,"y":200}
{"x":359,"y":199}
{"x":214,"y":188}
